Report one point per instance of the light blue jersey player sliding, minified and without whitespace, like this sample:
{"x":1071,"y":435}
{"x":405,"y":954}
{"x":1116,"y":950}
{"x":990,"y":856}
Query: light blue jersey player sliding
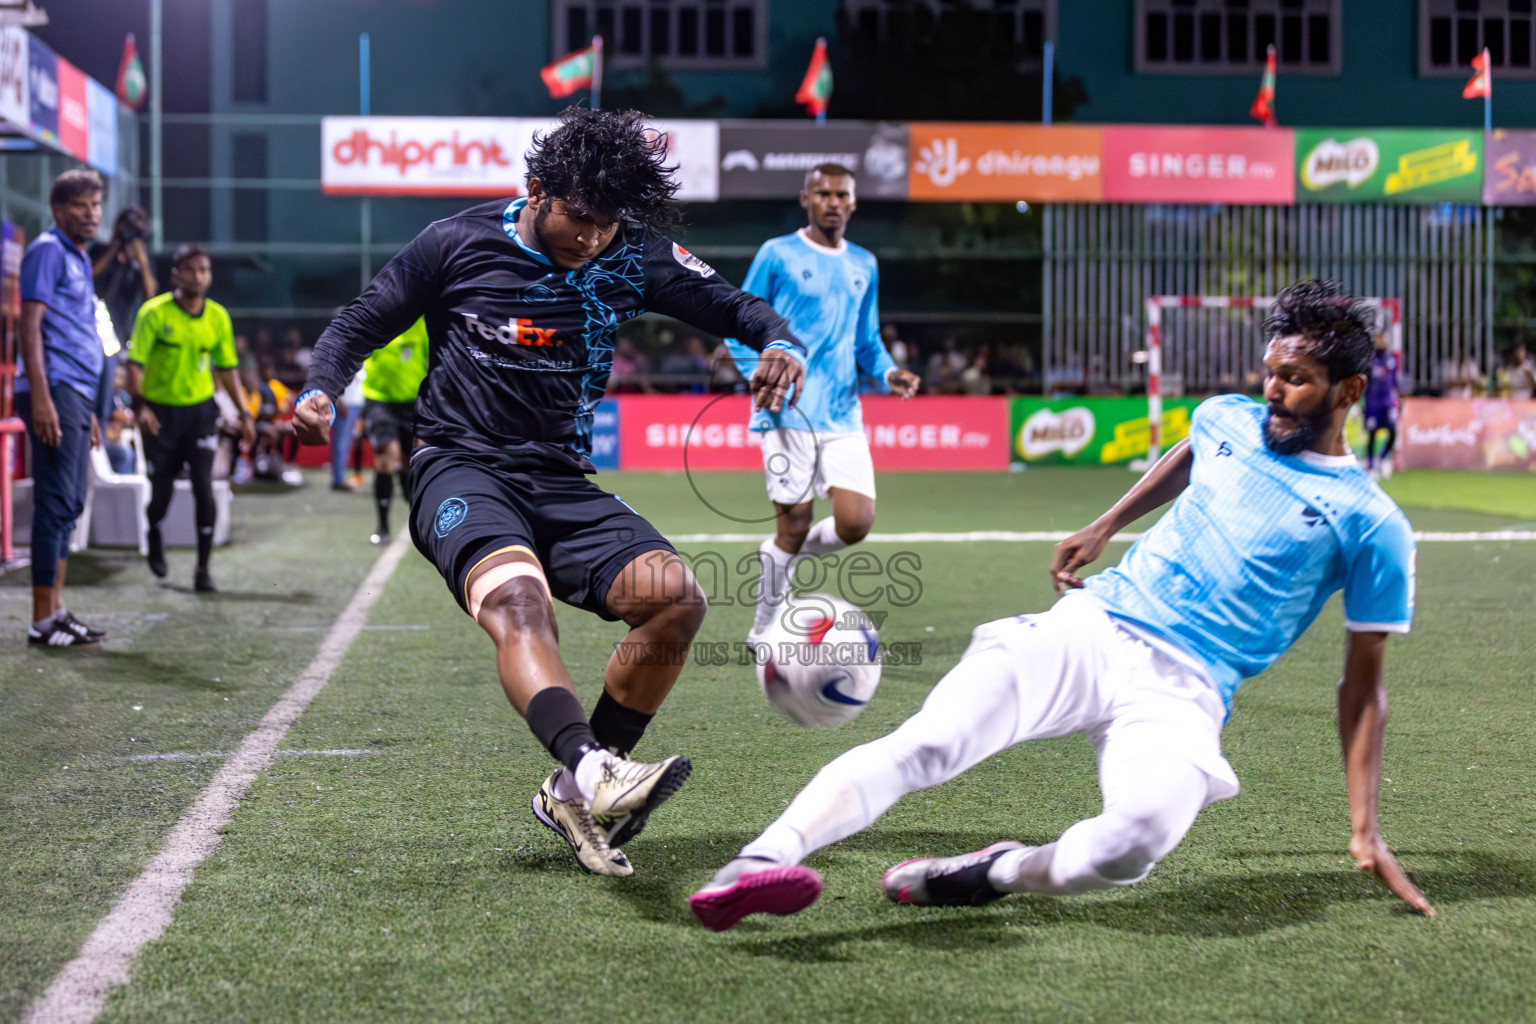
{"x":826,"y":287}
{"x":1271,"y":515}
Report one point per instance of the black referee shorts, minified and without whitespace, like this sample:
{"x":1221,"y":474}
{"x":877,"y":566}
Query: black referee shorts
{"x":470,"y":505}
{"x":183,"y":430}
{"x":384,"y":422}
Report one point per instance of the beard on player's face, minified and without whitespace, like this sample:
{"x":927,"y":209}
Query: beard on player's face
{"x":1300,"y":397}
{"x":1304,"y":430}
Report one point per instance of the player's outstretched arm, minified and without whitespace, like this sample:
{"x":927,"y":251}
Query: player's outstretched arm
{"x":1156,"y":488}
{"x":1362,"y":731}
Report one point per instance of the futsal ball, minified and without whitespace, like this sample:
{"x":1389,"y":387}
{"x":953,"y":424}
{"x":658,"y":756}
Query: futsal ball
{"x":819,"y":662}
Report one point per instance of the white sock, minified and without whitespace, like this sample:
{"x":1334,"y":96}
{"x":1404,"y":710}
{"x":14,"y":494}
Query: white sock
{"x":774,"y":584}
{"x":823,"y":539}
{"x":565,"y":786}
{"x":587,"y":771}
{"x":44,"y":625}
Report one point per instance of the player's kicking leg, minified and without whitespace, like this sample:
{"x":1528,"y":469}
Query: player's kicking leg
{"x":800,"y":464}
{"x":1027,"y":678}
{"x":586,"y":800}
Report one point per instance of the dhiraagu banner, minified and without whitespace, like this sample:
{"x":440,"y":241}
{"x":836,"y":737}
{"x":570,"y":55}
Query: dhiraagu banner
{"x":1092,"y":431}
{"x":1375,"y":165}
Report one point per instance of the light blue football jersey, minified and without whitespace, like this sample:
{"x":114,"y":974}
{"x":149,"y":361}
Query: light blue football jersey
{"x":1236,"y":570}
{"x":829,"y":298}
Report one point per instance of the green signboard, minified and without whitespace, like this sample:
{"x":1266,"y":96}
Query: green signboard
{"x":1376,"y":165}
{"x":1091,"y":431}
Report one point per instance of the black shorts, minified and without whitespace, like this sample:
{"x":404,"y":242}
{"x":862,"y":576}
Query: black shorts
{"x":470,"y":505}
{"x":183,"y":430}
{"x":384,"y":422}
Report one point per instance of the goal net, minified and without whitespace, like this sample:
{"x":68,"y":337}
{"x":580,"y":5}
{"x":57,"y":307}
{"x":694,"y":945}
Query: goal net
{"x":1215,"y":343}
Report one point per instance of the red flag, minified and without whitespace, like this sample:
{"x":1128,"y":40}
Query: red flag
{"x":1263,"y":108}
{"x":130,"y":76}
{"x":1481,"y":84}
{"x":816,"y":86}
{"x":571,"y":72}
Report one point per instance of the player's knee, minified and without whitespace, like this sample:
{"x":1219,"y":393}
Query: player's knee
{"x":670,"y":602}
{"x":1132,"y":846}
{"x":852,"y":531}
{"x":517,"y":611}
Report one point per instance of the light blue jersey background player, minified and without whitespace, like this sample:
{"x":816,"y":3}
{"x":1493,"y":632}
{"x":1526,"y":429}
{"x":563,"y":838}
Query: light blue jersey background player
{"x":826,"y":287}
{"x":1271,"y":515}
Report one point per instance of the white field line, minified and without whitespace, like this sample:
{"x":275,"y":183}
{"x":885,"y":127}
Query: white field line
{"x":1056,"y":536}
{"x":213,"y":755}
{"x":104,"y":962}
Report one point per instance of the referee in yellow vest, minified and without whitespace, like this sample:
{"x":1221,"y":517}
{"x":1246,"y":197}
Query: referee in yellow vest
{"x":181,"y":340}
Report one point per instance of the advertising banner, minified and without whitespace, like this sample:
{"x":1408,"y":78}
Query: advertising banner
{"x":1405,"y":165}
{"x":1467,"y":433}
{"x":954,"y":162}
{"x":1199,"y":165}
{"x":101,"y":105}
{"x":43,"y":90}
{"x":392,"y":156}
{"x":605,"y":435}
{"x":74,"y":116}
{"x":1092,"y":431}
{"x":15,"y":93}
{"x":768,"y":159}
{"x":694,"y":146}
{"x":476,"y":156}
{"x":1509,"y":177}
{"x":936,"y":432}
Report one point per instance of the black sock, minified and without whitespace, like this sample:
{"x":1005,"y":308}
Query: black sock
{"x":557,"y":720}
{"x":383,"y":490}
{"x":405,"y":484}
{"x":204,"y":547}
{"x":617,"y":727}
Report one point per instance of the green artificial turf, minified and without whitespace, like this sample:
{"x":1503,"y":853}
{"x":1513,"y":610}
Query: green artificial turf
{"x":411,"y":882}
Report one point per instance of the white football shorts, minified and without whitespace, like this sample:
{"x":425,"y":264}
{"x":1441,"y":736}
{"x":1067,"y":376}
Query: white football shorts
{"x":801,"y":465}
{"x":1077,"y":671}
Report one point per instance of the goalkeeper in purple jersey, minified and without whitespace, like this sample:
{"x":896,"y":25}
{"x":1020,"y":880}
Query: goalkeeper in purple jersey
{"x":1381,"y":405}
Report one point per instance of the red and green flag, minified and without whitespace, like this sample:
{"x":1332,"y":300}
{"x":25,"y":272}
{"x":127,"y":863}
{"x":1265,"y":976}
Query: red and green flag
{"x":131,"y":85}
{"x":579,"y":70}
{"x":1263,"y":108}
{"x":816,"y":86}
{"x":1481,"y":84}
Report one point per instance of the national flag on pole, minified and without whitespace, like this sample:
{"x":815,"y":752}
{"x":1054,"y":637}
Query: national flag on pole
{"x":816,"y":86}
{"x":130,"y":76}
{"x":573,"y":71}
{"x":1263,"y":108}
{"x":1481,"y":84}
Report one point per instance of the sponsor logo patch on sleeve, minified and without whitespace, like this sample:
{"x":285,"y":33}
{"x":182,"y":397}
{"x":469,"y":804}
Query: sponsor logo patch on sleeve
{"x":691,"y":262}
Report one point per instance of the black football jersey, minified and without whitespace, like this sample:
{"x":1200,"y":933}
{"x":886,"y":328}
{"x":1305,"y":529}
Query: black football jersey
{"x":520,"y":349}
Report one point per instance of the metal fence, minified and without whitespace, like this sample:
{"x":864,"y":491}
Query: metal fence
{"x":1102,"y":262}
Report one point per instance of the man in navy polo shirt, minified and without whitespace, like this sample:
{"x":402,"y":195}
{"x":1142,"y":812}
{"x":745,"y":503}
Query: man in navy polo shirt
{"x":61,"y":357}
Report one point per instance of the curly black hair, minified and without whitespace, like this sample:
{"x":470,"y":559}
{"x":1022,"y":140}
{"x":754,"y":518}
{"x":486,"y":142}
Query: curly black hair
{"x":609,"y":162}
{"x":1336,"y":323}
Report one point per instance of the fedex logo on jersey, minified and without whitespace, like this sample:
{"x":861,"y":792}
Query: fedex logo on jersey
{"x":513,"y":332}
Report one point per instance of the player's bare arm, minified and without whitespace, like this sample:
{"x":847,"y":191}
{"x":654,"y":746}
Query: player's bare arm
{"x":776,"y":380}
{"x":230,"y":381}
{"x":1362,"y":732}
{"x":1161,"y":484}
{"x":143,"y":415}
{"x":903,"y":383}
{"x":45,"y":418}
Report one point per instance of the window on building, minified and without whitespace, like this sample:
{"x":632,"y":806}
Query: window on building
{"x":1028,"y":23}
{"x":1215,"y":36}
{"x":684,"y":34}
{"x":1452,"y":32}
{"x":248,"y":29}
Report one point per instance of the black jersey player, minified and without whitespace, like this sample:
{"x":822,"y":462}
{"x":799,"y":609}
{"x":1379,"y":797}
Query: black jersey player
{"x":521,"y":301}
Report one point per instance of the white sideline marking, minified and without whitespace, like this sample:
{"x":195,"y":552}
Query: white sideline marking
{"x":209,"y":755}
{"x":1055,"y":536}
{"x":104,"y":962}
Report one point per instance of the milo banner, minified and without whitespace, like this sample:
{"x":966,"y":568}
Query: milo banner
{"x":1092,"y":431}
{"x":1375,"y":165}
